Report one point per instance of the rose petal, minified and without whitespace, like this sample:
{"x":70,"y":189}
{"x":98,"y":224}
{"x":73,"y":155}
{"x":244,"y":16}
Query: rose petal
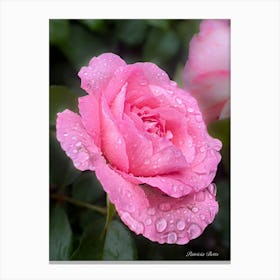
{"x":89,"y":110}
{"x":207,"y":72}
{"x":95,"y":77}
{"x":145,"y":157}
{"x":167,"y":184}
{"x":225,"y":112}
{"x":113,"y":144}
{"x":75,"y":141}
{"x":160,"y":218}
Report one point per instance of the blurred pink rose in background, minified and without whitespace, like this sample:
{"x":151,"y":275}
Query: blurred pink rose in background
{"x":207,"y":72}
{"x":147,"y":142}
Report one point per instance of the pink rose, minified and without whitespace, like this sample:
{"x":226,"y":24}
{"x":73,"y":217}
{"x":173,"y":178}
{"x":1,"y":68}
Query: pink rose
{"x":207,"y":72}
{"x":146,"y":140}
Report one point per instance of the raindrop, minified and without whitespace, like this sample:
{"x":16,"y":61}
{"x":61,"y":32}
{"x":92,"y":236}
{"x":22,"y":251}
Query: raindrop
{"x":202,"y":149}
{"x":178,"y":100}
{"x":75,"y":151}
{"x":172,"y":83}
{"x":161,"y":225}
{"x":151,"y":211}
{"x":198,"y":118}
{"x":143,"y":83}
{"x":74,"y":138}
{"x":212,"y":188}
{"x":202,"y":217}
{"x":190,"y":109}
{"x":164,"y":206}
{"x":148,"y":222}
{"x":65,"y":134}
{"x":79,"y":144}
{"x":119,"y":141}
{"x":171,"y":237}
{"x":138,"y":227}
{"x":194,"y":231}
{"x":194,"y":209}
{"x":180,"y":225}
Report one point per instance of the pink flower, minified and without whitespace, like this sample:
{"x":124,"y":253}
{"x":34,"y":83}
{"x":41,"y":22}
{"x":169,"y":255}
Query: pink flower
{"x":207,"y":72}
{"x":146,"y":140}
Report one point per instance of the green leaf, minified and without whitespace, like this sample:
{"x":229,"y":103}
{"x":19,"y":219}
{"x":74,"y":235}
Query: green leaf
{"x":221,"y":130}
{"x":91,"y":244}
{"x":60,"y":234}
{"x":59,"y":31}
{"x":87,"y":187}
{"x":161,"y":46}
{"x":83,"y":45}
{"x":159,"y":23}
{"x":62,"y":170}
{"x":119,"y":244}
{"x":61,"y":98}
{"x":131,"y":32}
{"x":94,"y":24}
{"x":221,"y":222}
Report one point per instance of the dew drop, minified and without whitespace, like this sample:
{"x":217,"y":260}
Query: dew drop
{"x":195,"y":209}
{"x":148,"y":222}
{"x":194,"y":231}
{"x":212,"y":188}
{"x":75,"y":151}
{"x":65,"y":134}
{"x":202,"y":149}
{"x":172,"y":83}
{"x":178,"y":100}
{"x":180,"y":225}
{"x":190,"y":109}
{"x":74,"y":138}
{"x":202,"y":217}
{"x":198,"y":118}
{"x":151,"y":211}
{"x":138,"y":227}
{"x":165,"y":206}
{"x":119,"y":141}
{"x":143,"y":83}
{"x":79,"y":144}
{"x":161,"y":225}
{"x":171,"y":237}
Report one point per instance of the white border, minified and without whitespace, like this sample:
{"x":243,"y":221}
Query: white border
{"x":255,"y":138}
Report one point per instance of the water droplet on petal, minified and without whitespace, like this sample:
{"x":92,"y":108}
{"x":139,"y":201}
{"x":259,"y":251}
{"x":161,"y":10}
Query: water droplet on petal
{"x":161,"y":225}
{"x":74,"y":138}
{"x":172,"y":83}
{"x":202,"y":149}
{"x":148,"y":222}
{"x":171,"y":237}
{"x":190,"y":109}
{"x":79,"y":144}
{"x":75,"y":151}
{"x":165,"y":206}
{"x":212,"y":188}
{"x":151,"y":211}
{"x":143,"y":83}
{"x":202,"y":217}
{"x":194,"y":209}
{"x":136,"y":226}
{"x":65,"y":134}
{"x":198,"y":118}
{"x":180,"y":225}
{"x":178,"y":100}
{"x":194,"y":231}
{"x":119,"y":141}
{"x":146,"y":161}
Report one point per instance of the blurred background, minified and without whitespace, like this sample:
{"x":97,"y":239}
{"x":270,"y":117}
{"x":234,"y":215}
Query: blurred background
{"x":78,"y":203}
